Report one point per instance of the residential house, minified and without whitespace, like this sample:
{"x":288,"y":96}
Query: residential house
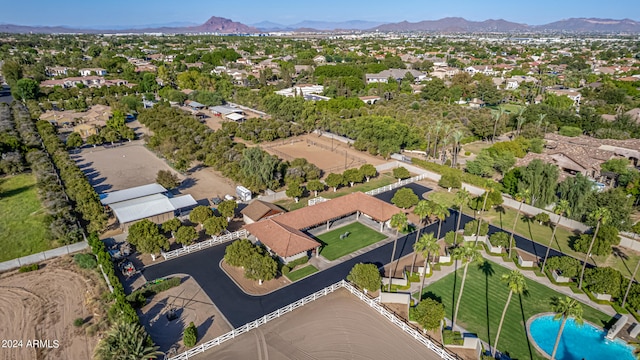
{"x":481,"y":69}
{"x":93,"y":71}
{"x":570,"y":93}
{"x":397,"y":74}
{"x":56,"y":70}
{"x":319,"y":59}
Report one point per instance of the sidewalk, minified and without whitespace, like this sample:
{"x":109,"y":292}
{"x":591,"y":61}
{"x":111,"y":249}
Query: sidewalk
{"x":565,"y":290}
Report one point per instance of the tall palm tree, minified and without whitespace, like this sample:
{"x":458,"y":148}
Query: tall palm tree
{"x":423,"y":209}
{"x":437,"y":128}
{"x":488,"y":191}
{"x":564,"y":309}
{"x":441,"y":213}
{"x":398,"y":221}
{"x":522,"y":196}
{"x":519,"y":122}
{"x":602,"y":216}
{"x":496,"y":118}
{"x":633,"y":278}
{"x":462,"y":197}
{"x":428,"y":245}
{"x":562,"y":208}
{"x":517,"y":285}
{"x":469,"y":253}
{"x":456,"y":136}
{"x":126,"y":341}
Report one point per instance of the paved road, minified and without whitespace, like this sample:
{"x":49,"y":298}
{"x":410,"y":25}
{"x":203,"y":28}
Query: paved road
{"x":417,"y":188}
{"x":240,"y":308}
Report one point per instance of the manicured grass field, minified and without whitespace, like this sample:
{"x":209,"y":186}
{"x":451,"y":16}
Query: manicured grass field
{"x":23,"y":230}
{"x":359,"y":237}
{"x":483,"y":301}
{"x":300,"y":273}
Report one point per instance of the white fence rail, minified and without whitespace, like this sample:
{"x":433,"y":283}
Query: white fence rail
{"x":215,"y":240}
{"x":373,"y":303}
{"x":396,"y":185}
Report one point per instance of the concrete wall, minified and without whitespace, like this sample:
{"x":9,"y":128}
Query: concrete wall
{"x":45,"y":255}
{"x":394,"y":281}
{"x":395,"y":298}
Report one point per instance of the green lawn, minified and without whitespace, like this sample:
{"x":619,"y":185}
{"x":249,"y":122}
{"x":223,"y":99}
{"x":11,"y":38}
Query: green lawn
{"x":623,"y":261}
{"x":380,"y":181}
{"x":359,"y":237}
{"x":300,"y":273}
{"x":483,"y":301}
{"x":23,"y":229}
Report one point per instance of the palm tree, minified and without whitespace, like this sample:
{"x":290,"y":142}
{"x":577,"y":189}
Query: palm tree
{"x":522,"y":196}
{"x":423,"y":209}
{"x":469,"y":253}
{"x":520,"y":121}
{"x":633,"y":278}
{"x":126,"y":341}
{"x":562,"y":207}
{"x":441,"y":213}
{"x":462,"y":197}
{"x":398,"y":221}
{"x":488,"y":191}
{"x":437,"y":129}
{"x":456,"y":136}
{"x":517,"y":285}
{"x":428,"y":244}
{"x":601,"y":215}
{"x":497,"y":116}
{"x":564,"y":309}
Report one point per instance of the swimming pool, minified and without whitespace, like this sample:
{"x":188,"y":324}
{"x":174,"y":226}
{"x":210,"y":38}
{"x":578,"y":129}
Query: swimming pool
{"x":578,"y":342}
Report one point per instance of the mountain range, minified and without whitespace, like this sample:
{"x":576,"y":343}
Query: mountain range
{"x":450,"y":24}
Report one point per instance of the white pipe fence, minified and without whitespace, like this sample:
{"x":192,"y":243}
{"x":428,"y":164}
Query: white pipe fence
{"x":215,"y":240}
{"x":406,"y":327}
{"x":396,"y":185}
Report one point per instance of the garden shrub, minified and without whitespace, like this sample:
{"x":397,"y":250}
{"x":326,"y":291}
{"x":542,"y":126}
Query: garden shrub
{"x":85,"y":261}
{"x":190,"y":336}
{"x":28,"y":268}
{"x":567,"y":265}
{"x":499,"y":239}
{"x":296,"y":262}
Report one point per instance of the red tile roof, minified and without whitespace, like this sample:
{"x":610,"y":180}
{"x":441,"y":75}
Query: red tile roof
{"x":282,"y":233}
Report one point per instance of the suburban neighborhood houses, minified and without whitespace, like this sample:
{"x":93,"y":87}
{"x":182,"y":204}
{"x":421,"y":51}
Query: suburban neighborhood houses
{"x":445,"y":189}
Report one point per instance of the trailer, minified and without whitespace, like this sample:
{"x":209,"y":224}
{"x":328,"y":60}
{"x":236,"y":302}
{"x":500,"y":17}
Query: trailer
{"x":243,"y":193}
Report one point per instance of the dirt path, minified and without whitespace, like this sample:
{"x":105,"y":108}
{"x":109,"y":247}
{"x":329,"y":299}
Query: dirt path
{"x":42,"y":305}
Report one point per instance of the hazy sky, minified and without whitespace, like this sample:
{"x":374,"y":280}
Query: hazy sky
{"x":141,"y":12}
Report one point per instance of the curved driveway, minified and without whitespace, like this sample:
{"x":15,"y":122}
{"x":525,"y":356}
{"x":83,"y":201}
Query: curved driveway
{"x":240,"y":308}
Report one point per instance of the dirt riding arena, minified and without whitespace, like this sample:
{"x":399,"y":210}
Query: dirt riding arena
{"x":318,"y":150}
{"x":337,"y":326}
{"x":120,"y":167}
{"x":43,"y":304}
{"x":192,"y":305}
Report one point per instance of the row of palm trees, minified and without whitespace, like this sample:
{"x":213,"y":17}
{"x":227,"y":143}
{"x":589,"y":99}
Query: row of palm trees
{"x":601,"y":215}
{"x":427,"y":245}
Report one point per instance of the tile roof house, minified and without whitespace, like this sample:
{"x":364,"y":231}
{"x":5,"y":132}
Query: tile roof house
{"x":284,"y":234}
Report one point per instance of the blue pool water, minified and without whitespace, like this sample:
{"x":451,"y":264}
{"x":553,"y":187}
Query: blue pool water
{"x":577,"y":342}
